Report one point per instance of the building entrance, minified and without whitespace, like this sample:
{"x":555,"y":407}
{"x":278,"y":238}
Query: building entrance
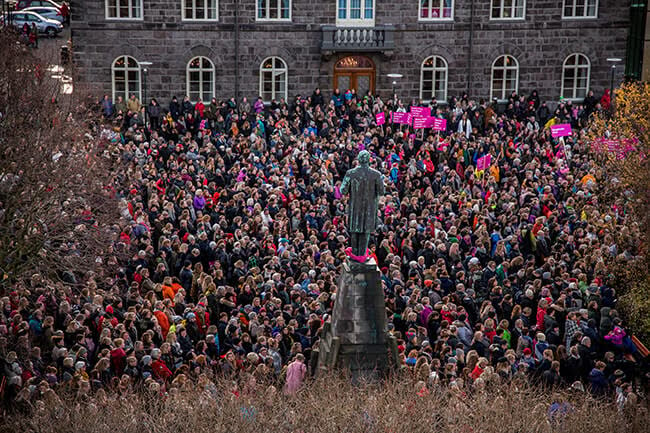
{"x":355,"y":72}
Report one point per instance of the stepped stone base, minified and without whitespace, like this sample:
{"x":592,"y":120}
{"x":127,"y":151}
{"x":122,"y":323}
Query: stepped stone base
{"x":357,"y":339}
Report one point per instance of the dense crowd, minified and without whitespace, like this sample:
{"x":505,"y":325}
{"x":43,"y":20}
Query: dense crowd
{"x":233,"y":228}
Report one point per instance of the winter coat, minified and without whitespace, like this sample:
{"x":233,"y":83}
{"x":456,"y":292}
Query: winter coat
{"x":598,"y":382}
{"x":174,"y":109}
{"x":154,"y":111}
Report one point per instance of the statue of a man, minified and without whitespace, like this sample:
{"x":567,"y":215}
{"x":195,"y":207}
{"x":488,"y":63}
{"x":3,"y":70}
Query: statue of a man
{"x":365,"y":186}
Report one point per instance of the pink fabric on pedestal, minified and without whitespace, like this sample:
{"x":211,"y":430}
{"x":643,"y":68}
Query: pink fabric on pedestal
{"x":360,"y":259}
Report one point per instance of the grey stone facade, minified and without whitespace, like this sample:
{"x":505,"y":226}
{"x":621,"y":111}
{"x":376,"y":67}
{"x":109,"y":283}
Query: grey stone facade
{"x":540,"y":43}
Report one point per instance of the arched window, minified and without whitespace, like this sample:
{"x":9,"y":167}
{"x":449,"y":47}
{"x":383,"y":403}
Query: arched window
{"x":273,"y":79}
{"x":433,"y":79}
{"x":200,"y":79}
{"x":505,"y":77}
{"x":575,"y":76}
{"x":125,"y":72}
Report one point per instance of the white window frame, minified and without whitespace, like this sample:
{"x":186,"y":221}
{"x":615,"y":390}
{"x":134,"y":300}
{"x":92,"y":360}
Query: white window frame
{"x":503,"y":8}
{"x":184,"y":17}
{"x":505,"y":93}
{"x":574,"y":8}
{"x":434,"y":69}
{"x":430,"y":5}
{"x":274,"y":73}
{"x":269,"y":4}
{"x":131,"y":9}
{"x":356,"y":22}
{"x":200,"y":70}
{"x":576,"y":67}
{"x":126,"y":70}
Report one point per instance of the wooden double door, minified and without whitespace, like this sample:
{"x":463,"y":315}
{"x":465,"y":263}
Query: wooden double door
{"x":355,"y":72}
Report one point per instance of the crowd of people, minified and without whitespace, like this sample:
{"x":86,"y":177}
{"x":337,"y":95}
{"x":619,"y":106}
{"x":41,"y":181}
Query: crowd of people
{"x":233,"y":228}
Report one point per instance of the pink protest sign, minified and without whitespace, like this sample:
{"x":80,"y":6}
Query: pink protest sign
{"x":422,"y":122}
{"x":401,"y":118}
{"x":421,"y":111}
{"x":480,"y":163}
{"x":561,"y":130}
{"x":484,"y":162}
{"x":380,"y":118}
{"x":439,"y":124}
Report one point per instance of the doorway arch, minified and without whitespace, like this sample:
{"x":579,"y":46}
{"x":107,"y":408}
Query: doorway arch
{"x":355,"y":72}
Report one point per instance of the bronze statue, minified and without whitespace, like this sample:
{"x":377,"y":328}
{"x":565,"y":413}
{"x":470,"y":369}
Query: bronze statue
{"x":365,"y":186}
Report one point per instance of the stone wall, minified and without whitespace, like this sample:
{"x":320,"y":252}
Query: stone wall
{"x":540,"y":43}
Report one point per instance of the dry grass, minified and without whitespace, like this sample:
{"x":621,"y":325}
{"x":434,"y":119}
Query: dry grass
{"x":327,"y":405}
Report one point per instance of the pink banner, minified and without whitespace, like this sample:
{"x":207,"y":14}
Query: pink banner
{"x":620,"y":147}
{"x":380,"y":118}
{"x":401,"y":118}
{"x":439,"y":124}
{"x":561,"y":130}
{"x":421,"y":111}
{"x":422,"y":122}
{"x":612,"y":145}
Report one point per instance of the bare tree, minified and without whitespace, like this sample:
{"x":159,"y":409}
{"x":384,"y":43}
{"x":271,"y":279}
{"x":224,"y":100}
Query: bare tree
{"x":56,"y":203}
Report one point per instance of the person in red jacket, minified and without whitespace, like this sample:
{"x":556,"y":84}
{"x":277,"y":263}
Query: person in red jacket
{"x":160,"y":369}
{"x":200,"y":108}
{"x":202,"y":318}
{"x":118,"y":357}
{"x":162,"y":318}
{"x":108,"y":315}
{"x":65,"y":13}
{"x":541,"y":312}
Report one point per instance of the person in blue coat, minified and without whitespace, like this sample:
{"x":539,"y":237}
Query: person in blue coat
{"x":597,"y":380}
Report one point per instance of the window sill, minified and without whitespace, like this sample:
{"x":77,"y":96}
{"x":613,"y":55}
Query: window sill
{"x":203,"y":20}
{"x":579,"y":18}
{"x":435,"y":20}
{"x":273,"y":20}
{"x":355,"y":23}
{"x":124,"y":19}
{"x":508,"y":19}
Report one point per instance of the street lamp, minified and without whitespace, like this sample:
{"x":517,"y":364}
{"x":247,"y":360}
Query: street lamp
{"x":395,"y":77}
{"x":613,"y":61}
{"x":145,"y":70}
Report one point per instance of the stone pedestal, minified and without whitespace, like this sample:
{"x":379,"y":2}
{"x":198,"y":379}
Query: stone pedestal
{"x":357,"y":337}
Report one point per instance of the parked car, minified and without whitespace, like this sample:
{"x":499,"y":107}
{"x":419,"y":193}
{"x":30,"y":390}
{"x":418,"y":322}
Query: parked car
{"x":46,"y":11}
{"x":23,"y":4}
{"x":44,"y":25}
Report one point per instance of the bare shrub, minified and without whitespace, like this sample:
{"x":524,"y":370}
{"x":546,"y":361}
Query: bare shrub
{"x":331,"y":404}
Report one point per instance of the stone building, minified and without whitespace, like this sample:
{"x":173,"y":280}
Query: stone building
{"x":281,"y":48}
